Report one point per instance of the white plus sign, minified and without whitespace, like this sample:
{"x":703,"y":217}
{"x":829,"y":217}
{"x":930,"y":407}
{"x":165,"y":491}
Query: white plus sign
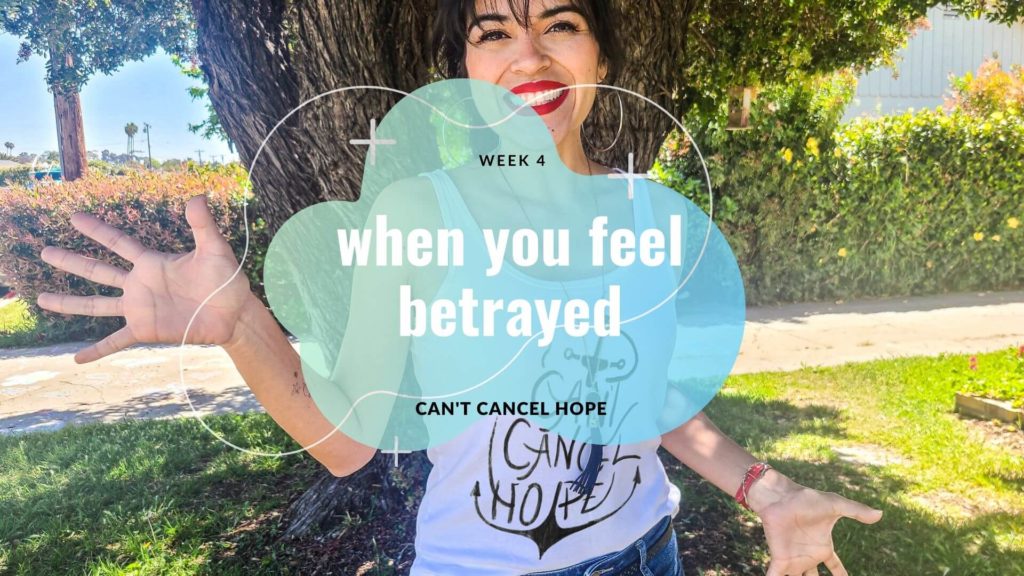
{"x":396,"y":451}
{"x":630,"y":176}
{"x":372,"y":142}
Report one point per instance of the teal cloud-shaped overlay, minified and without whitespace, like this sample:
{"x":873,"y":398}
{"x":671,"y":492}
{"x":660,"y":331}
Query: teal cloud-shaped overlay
{"x":426,"y":200}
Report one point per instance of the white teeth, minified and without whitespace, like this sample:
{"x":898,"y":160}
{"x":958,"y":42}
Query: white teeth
{"x":537,"y":98}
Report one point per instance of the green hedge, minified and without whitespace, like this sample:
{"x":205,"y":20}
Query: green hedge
{"x":23,"y":175}
{"x":917,"y":203}
{"x":15,"y":176}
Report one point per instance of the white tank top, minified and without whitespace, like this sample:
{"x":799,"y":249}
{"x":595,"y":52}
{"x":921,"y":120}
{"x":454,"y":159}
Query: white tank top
{"x":498,"y":499}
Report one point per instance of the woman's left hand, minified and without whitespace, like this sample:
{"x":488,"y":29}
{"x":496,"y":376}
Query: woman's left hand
{"x":798,"y":524}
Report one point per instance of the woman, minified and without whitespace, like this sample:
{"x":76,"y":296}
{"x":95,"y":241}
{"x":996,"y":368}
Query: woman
{"x":525,"y":47}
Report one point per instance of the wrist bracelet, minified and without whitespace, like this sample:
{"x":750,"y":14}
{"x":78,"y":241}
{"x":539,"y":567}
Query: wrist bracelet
{"x":754,"y":473}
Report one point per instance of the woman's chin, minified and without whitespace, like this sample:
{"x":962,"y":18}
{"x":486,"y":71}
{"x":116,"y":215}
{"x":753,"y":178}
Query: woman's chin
{"x":558,"y":132}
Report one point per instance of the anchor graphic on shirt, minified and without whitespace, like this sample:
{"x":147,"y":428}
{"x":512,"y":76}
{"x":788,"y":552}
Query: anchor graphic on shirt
{"x":549,"y":532}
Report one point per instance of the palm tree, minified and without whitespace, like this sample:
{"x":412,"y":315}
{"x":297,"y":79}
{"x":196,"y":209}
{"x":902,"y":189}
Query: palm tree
{"x":9,"y":146}
{"x":131,"y":129}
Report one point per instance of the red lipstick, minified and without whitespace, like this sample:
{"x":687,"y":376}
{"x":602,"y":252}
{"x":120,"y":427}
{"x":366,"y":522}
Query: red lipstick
{"x":538,"y":86}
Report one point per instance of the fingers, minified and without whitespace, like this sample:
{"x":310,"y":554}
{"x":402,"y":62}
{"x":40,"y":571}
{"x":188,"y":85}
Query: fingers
{"x":204,"y":228}
{"x":119,"y":340}
{"x":811,"y":572}
{"x":859,"y":512}
{"x":88,"y":268}
{"x":835,"y":566}
{"x":82,"y":305}
{"x":120,"y":243}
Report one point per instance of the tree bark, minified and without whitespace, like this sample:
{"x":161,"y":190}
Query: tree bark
{"x":67,"y":107}
{"x":263,"y":58}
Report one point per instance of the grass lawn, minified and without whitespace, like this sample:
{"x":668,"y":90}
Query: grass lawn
{"x":163,"y":497}
{"x":17,"y":325}
{"x":22,"y":326}
{"x":882,"y":433}
{"x":1000,"y":376}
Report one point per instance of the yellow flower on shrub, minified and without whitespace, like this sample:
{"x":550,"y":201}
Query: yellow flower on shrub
{"x":842,"y":253}
{"x":1013,"y":222}
{"x":979,"y":236}
{"x":996,"y":237}
{"x":812,"y":146}
{"x":837,"y":152}
{"x":787,"y":155}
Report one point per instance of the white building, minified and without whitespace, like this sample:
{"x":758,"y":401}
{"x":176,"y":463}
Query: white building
{"x":953,"y":45}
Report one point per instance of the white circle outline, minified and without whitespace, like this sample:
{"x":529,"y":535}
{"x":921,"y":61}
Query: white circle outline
{"x":245,"y":251}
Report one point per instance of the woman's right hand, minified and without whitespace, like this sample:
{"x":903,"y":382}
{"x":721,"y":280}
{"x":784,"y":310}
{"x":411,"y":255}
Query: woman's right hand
{"x":161,"y":292}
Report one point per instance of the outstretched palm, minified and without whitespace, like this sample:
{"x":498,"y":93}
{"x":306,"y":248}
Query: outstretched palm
{"x":798,"y":529}
{"x":161,"y":292}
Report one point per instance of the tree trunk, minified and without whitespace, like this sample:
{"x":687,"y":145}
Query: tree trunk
{"x":67,"y":108}
{"x":263,"y":58}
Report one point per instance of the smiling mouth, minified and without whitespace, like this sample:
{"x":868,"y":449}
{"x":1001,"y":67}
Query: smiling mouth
{"x":539,"y":98}
{"x":544,"y":97}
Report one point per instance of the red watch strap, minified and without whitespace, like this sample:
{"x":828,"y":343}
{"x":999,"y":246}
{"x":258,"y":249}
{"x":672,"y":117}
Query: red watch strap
{"x":754,"y":473}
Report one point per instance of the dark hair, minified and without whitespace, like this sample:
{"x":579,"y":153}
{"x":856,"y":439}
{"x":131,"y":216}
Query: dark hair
{"x":451,"y":30}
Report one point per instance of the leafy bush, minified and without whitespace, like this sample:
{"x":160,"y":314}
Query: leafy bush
{"x":147,"y":205}
{"x":14,"y":176}
{"x":989,"y":91}
{"x":907,"y":204}
{"x":932,"y":202}
{"x":106,"y":168}
{"x":762,"y":182}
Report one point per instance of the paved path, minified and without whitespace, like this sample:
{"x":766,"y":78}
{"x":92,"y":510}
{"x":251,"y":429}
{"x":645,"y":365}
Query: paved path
{"x":43,"y":388}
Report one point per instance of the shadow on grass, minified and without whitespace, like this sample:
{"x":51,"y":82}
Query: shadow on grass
{"x":1015,"y":481}
{"x":115,"y":485}
{"x":757,"y":423}
{"x":717,"y":537}
{"x":92,"y":495}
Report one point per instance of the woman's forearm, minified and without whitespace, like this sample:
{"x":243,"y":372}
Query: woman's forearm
{"x":272,"y":369}
{"x":702,"y":447}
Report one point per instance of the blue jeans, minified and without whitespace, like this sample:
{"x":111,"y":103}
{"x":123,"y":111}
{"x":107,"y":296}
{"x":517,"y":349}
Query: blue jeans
{"x":633,"y":560}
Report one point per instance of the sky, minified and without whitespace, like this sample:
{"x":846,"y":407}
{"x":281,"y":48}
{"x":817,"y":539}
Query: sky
{"x":152,"y":90}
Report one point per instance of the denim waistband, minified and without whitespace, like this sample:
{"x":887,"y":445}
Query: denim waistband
{"x":614,"y":562}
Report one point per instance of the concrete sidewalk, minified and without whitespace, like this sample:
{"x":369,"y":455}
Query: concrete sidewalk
{"x":43,"y":388}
